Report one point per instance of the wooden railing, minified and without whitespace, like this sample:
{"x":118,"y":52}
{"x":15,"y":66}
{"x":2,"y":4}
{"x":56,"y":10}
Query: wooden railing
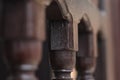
{"x":72,"y":27}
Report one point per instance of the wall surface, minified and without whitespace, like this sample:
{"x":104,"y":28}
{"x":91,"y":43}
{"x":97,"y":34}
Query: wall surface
{"x":115,"y":13}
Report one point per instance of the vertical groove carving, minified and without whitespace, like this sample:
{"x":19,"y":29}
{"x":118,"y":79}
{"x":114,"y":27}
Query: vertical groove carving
{"x":62,"y":56}
{"x":23,"y":32}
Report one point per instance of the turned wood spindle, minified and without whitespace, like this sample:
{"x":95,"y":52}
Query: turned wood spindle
{"x":62,"y":54}
{"x":86,"y":56}
{"x":24,"y":22}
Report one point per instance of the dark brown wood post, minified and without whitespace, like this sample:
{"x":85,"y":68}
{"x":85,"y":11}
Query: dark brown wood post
{"x":86,"y":56}
{"x":62,"y":50}
{"x":62,"y":53}
{"x":23,"y":32}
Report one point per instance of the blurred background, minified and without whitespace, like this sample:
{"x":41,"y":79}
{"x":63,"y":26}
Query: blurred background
{"x":112,"y":12}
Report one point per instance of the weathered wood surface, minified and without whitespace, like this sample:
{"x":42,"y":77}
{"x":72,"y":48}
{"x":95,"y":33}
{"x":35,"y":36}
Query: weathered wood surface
{"x":23,"y":32}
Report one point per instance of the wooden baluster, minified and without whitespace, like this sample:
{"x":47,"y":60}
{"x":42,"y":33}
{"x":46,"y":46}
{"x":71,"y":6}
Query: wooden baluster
{"x":24,"y":23}
{"x":86,"y":56}
{"x":24,"y":57}
{"x":62,"y":54}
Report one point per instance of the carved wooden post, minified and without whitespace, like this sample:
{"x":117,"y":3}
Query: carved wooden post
{"x":24,"y":23}
{"x":86,"y":56}
{"x":62,"y":52}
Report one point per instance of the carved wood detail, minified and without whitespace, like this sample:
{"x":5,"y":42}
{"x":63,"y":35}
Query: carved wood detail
{"x":62,"y":56}
{"x":86,"y":56}
{"x":23,"y":32}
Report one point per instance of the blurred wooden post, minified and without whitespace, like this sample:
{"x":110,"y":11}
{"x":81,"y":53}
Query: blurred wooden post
{"x":86,"y":56}
{"x":23,"y":32}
